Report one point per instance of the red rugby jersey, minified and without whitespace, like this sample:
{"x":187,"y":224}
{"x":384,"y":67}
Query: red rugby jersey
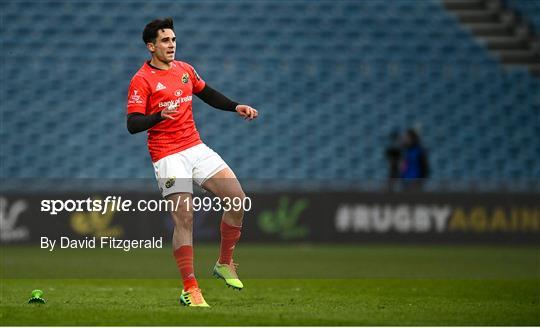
{"x":152,"y":90}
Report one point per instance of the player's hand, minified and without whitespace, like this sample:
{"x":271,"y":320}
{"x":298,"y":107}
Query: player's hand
{"x":169,"y":112}
{"x":247,"y":112}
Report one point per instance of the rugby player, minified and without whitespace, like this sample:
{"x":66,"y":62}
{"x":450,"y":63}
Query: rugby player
{"x":160,"y":102}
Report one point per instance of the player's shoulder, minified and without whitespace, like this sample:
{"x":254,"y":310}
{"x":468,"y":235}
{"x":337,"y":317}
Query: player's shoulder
{"x":142,"y":74}
{"x":143,"y":71}
{"x":141,"y":77}
{"x":183,"y":65}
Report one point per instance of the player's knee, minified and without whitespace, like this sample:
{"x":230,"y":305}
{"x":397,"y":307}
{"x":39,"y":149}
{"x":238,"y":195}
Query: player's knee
{"x":239,"y":199}
{"x":240,"y":194}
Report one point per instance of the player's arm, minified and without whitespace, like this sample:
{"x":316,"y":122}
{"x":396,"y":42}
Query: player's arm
{"x":138,"y":122}
{"x":217,"y":100}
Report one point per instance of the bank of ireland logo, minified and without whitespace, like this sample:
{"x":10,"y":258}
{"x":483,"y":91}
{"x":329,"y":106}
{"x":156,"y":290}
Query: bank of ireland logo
{"x":185,"y":78}
{"x":170,"y":182}
{"x":178,"y":92}
{"x":284,"y":220}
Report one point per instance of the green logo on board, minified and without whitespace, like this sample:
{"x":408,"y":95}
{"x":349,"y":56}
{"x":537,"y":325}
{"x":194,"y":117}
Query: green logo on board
{"x":284,"y":220}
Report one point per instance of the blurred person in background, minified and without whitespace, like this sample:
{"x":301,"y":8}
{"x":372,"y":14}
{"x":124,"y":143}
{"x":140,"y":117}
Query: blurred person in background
{"x":415,"y":165}
{"x":393,"y":157}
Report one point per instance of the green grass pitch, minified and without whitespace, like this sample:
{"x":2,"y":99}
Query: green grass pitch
{"x":285,"y":285}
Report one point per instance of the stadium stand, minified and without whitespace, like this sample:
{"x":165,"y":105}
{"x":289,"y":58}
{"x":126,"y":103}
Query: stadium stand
{"x":506,"y":32}
{"x":529,"y":9}
{"x":331,"y":79}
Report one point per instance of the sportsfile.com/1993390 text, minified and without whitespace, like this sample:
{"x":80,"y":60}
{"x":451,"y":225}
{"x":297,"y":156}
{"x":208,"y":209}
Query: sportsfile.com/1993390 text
{"x":119,"y":204}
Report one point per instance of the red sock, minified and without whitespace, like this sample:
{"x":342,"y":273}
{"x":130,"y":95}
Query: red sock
{"x":229,"y":237}
{"x":184,"y":261}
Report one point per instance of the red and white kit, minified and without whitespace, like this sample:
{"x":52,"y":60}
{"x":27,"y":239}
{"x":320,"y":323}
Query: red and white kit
{"x":175,"y":146}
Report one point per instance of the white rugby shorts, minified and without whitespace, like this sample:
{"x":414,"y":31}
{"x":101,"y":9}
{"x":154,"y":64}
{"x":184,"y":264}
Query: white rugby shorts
{"x":177,"y":172}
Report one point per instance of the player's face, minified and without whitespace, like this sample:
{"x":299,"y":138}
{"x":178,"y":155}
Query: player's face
{"x":165,"y":46}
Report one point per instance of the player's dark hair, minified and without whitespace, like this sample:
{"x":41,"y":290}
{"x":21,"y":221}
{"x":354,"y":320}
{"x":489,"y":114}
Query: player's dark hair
{"x":151,"y":29}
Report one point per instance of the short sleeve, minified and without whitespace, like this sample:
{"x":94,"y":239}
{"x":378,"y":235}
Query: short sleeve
{"x":196,"y":80}
{"x":137,"y":95}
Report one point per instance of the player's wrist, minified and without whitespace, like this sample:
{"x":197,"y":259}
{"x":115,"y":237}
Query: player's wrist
{"x":159,"y":115}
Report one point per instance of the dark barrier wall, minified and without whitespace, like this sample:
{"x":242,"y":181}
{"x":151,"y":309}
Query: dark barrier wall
{"x":312,"y":217}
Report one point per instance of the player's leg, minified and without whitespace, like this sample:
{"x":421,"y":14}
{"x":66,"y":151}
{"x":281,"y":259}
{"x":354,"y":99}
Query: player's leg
{"x":183,"y":249}
{"x":213,"y":174}
{"x":224,"y":184}
{"x":174,"y":179}
{"x":182,"y":242}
